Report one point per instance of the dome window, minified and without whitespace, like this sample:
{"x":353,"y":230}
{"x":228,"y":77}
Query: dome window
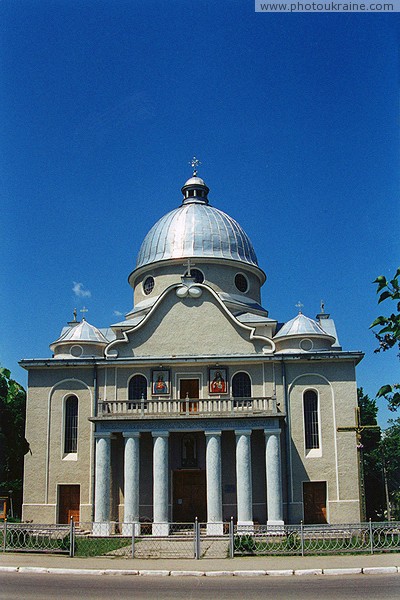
{"x":241,"y":282}
{"x":306,"y":345}
{"x":76,"y":351}
{"x":148,"y":285}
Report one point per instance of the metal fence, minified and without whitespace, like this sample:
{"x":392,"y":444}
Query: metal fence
{"x":135,"y":540}
{"x":198,"y":540}
{"x":317,"y":539}
{"x":153,"y":540}
{"x":25,"y":537}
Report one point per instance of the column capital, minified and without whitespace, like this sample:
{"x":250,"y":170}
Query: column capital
{"x":213,"y":432}
{"x":268,"y":432}
{"x":243,"y":431}
{"x":106,"y":435}
{"x":131,"y":434}
{"x":157,"y":434}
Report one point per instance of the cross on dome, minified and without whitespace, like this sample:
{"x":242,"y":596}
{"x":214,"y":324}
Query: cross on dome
{"x":189,"y":264}
{"x":299,"y":305}
{"x":194,"y":163}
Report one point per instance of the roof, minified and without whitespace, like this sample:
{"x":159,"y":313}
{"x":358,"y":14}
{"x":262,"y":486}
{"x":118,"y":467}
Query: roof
{"x":301,"y":325}
{"x":196,"y":229}
{"x":83,"y":332}
{"x":195,"y":181}
{"x":248,"y":317}
{"x":241,"y":300}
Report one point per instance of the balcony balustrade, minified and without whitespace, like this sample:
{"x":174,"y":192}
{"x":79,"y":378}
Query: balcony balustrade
{"x":188,"y":407}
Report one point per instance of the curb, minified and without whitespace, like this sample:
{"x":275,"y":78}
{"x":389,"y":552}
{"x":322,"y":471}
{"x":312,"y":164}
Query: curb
{"x":308,"y":572}
{"x":165,"y":573}
{"x":379,"y":570}
{"x":347,"y":571}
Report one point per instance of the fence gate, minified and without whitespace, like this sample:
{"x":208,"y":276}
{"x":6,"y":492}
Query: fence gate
{"x":155,"y":540}
{"x":214,"y":544}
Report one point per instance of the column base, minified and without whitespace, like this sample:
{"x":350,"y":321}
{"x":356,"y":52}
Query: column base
{"x":102,"y":529}
{"x":215,"y":529}
{"x":275,"y":527}
{"x":160,"y":529}
{"x":129,"y":528}
{"x":245,"y":527}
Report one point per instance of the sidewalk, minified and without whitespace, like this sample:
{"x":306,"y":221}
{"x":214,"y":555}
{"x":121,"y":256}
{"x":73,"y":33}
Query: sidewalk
{"x":257,"y":565}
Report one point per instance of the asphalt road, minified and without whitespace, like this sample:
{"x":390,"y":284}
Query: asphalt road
{"x":90,"y":587}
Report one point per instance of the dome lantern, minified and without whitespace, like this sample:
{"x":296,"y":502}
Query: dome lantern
{"x":195,"y":190}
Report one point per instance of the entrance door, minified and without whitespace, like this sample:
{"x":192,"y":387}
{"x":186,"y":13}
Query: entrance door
{"x":189,"y":389}
{"x":68,"y":503}
{"x":314,"y":498}
{"x":189,"y":496}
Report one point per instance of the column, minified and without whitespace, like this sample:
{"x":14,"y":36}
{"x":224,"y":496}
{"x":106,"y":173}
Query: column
{"x":243,"y":480}
{"x":102,"y":484}
{"x":131,"y":483}
{"x":214,"y":483}
{"x":160,"y":483}
{"x":274,"y":477}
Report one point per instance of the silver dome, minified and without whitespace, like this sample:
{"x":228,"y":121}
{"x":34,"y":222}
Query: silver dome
{"x":199,"y":230}
{"x":301,"y":325}
{"x":83,"y":332}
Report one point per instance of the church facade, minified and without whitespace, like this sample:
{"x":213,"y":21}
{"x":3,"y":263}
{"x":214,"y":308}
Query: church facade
{"x":198,"y":403}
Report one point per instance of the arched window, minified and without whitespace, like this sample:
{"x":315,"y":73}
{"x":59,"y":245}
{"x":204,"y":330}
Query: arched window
{"x":71,"y":425}
{"x":241,"y":388}
{"x":311,"y":426}
{"x":137,"y":390}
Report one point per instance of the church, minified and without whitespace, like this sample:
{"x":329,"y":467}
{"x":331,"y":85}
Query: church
{"x":197,"y":404}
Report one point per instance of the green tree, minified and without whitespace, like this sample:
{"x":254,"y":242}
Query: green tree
{"x":390,"y":447}
{"x":388,"y":334}
{"x":372,"y":459}
{"x":13,"y":445}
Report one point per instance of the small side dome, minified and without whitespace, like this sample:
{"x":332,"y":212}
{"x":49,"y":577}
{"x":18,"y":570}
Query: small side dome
{"x":302,"y":334}
{"x":81,"y":340}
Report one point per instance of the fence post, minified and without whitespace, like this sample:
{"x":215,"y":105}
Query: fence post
{"x":133,"y":540}
{"x":231,"y":539}
{"x":5,"y":535}
{"x":302,"y":537}
{"x":71,"y":539}
{"x":197,"y":539}
{"x":371,"y":536}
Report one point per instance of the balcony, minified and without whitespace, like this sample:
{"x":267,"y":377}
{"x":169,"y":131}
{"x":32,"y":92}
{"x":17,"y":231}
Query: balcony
{"x":161,"y":408}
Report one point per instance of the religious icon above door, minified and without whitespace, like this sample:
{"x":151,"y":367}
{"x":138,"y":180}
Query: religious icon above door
{"x":218,"y":381}
{"x":161,"y":382}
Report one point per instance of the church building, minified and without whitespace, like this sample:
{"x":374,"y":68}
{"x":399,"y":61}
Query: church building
{"x":198,"y":403}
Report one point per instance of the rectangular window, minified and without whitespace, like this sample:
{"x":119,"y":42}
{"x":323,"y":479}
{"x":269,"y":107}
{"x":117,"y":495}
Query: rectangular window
{"x":71,"y":425}
{"x":311,"y":420}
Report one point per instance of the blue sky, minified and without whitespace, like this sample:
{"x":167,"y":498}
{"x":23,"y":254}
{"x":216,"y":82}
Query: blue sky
{"x":295,"y":118}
